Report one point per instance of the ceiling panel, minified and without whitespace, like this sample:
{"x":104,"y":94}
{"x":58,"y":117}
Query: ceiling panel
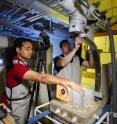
{"x":27,"y":17}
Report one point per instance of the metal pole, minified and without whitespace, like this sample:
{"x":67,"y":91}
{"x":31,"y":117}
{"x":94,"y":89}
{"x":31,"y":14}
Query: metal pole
{"x":102,"y":118}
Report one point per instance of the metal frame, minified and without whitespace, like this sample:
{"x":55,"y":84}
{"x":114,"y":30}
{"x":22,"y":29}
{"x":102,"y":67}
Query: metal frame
{"x":48,"y":117}
{"x":106,"y":116}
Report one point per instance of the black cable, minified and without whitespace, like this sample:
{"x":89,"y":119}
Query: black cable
{"x":114,"y":78}
{"x":96,"y":58}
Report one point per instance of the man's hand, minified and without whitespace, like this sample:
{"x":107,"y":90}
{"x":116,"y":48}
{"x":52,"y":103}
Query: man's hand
{"x":78,"y":42}
{"x":77,"y":87}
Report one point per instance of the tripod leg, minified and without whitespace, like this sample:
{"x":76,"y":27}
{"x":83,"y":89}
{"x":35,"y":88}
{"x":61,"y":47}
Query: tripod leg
{"x":49,"y":93}
{"x":37,"y":95}
{"x":48,"y":88}
{"x":31,"y":101}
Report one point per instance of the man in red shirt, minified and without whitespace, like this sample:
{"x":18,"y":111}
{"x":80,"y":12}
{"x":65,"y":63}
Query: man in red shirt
{"x":17,"y":71}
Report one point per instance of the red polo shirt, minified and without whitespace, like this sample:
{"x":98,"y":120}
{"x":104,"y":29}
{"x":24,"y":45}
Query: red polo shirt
{"x":14,"y":76}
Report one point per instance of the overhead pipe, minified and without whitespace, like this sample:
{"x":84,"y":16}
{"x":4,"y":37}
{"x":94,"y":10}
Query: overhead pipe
{"x":17,"y":10}
{"x":41,"y":16}
{"x":26,"y":12}
{"x":33,"y":17}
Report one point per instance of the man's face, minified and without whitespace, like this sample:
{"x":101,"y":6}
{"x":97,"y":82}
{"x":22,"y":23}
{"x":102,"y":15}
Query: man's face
{"x":25,"y":52}
{"x":66,"y":48}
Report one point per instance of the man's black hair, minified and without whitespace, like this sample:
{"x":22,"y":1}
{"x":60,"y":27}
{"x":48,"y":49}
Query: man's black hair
{"x":64,"y":41}
{"x":18,"y":42}
{"x":11,"y":51}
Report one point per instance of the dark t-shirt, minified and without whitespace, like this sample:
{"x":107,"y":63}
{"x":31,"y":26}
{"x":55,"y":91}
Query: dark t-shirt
{"x":57,"y":69}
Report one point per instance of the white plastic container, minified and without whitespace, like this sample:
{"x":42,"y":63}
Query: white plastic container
{"x":83,"y":100}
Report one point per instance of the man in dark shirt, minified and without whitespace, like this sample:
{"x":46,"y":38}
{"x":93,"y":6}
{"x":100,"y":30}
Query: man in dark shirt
{"x":67,"y":65}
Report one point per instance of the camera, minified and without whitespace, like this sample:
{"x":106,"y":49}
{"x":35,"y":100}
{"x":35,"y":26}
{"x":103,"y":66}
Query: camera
{"x":44,"y":41}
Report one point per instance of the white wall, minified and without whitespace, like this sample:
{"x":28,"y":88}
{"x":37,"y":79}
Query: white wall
{"x":3,"y":42}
